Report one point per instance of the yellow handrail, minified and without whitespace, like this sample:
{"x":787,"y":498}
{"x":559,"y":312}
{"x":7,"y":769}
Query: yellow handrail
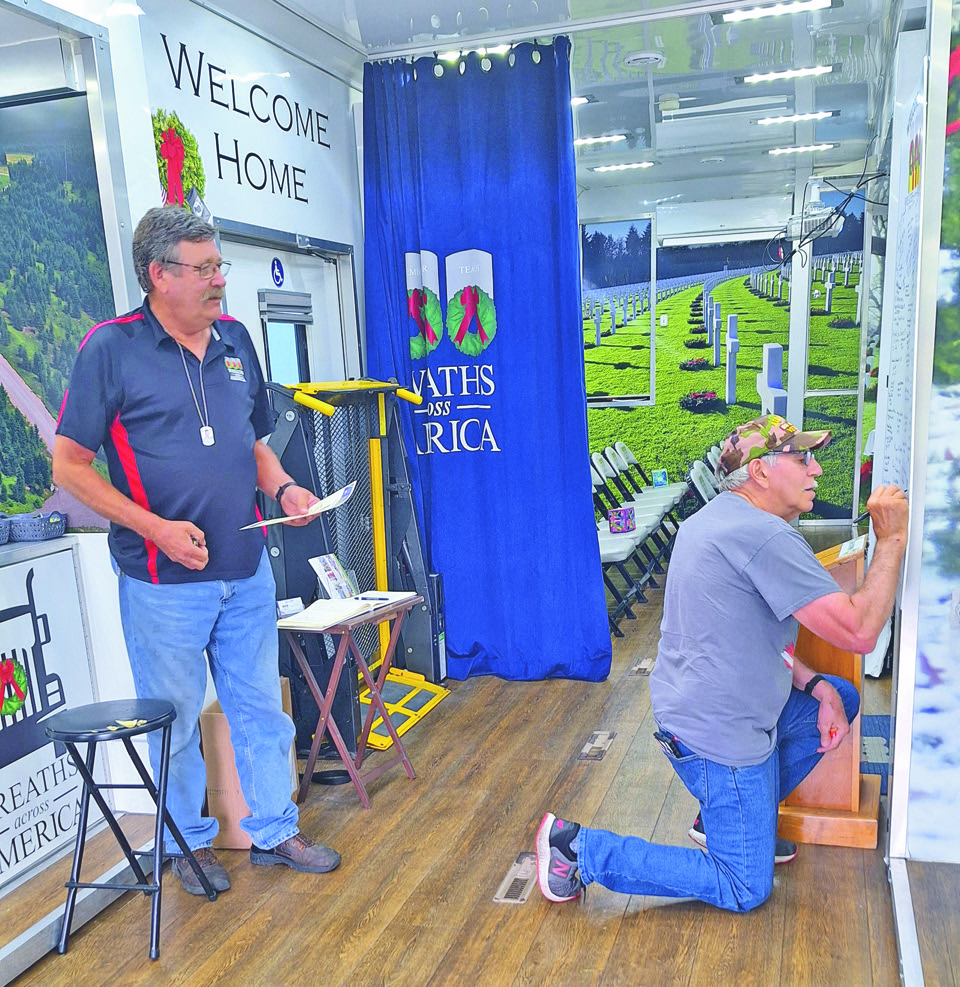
{"x":315,"y":403}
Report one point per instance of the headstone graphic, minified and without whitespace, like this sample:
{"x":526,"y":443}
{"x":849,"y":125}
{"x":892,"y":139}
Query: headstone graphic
{"x":423,"y":301}
{"x":733,"y":347}
{"x":471,"y":313}
{"x":773,"y":398}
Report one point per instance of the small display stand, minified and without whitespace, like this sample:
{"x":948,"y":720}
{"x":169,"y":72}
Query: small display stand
{"x":344,"y":630}
{"x":835,"y":805}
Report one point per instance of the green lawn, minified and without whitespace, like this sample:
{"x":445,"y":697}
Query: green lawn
{"x":664,"y":436}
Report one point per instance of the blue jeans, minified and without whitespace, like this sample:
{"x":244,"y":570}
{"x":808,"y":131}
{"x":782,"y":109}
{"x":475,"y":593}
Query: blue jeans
{"x":738,"y":808}
{"x":167,"y":627}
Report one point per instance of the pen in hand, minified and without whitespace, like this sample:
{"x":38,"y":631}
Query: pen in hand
{"x":866,"y":514}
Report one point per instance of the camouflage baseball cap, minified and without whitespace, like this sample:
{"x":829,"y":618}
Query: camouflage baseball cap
{"x":768,"y":434}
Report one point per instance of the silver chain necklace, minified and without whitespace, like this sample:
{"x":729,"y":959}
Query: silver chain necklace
{"x":206,"y":432}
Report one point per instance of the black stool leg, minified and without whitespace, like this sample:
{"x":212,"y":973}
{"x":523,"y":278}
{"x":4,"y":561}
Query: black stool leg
{"x":94,"y":790}
{"x":161,"y":800}
{"x":78,"y":850}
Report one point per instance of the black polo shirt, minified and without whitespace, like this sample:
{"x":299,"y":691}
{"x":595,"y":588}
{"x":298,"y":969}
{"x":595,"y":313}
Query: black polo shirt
{"x":129,"y":393}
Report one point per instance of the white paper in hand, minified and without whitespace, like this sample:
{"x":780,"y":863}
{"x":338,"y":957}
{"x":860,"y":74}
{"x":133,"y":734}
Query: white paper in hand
{"x":321,"y":506}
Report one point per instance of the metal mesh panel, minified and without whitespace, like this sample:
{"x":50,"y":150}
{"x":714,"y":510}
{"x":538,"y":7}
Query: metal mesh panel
{"x":341,"y":452}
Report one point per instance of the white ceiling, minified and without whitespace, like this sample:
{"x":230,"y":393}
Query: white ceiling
{"x":708,"y":146}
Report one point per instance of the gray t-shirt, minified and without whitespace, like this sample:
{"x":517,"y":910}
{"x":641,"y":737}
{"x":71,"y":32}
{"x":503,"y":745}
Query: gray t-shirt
{"x":737,"y":574}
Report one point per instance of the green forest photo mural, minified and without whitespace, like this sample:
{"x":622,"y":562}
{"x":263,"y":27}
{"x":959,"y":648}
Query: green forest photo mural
{"x":54,"y":285}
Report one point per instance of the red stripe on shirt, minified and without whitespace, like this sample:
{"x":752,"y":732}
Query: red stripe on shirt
{"x":63,"y":405}
{"x":128,"y":460}
{"x":83,"y":342}
{"x":126,"y":318}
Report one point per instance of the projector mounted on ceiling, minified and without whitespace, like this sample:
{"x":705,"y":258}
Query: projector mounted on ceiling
{"x":817,"y":219}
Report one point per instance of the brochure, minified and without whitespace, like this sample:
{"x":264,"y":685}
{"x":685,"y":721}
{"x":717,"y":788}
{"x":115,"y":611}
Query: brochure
{"x":327,"y":504}
{"x":334,"y":582}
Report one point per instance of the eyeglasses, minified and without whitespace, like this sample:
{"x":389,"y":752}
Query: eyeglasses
{"x":206,"y":271}
{"x":808,"y":456}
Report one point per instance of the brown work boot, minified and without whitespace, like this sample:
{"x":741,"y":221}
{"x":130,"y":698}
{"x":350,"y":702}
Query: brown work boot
{"x":210,"y":866}
{"x":298,"y":852}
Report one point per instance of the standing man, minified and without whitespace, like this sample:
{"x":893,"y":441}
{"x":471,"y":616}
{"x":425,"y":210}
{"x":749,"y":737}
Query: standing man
{"x":174,"y":394}
{"x":742,"y":720}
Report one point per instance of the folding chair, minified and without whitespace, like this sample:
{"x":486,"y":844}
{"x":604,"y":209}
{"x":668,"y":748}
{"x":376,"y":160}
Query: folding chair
{"x":615,"y":551}
{"x":605,"y":497}
{"x":632,"y":466}
{"x":704,"y":485}
{"x":634,"y":475}
{"x":650,"y":499}
{"x":647,"y":526}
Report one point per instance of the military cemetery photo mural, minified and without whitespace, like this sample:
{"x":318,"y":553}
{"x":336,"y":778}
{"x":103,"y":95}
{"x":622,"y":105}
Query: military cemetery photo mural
{"x":721,"y":343}
{"x":54,"y":285}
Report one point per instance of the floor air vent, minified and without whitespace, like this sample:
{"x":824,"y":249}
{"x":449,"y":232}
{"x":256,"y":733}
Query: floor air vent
{"x":522,"y":876}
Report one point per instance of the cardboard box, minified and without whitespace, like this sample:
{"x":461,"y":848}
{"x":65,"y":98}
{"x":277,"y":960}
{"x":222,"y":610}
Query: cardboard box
{"x":225,"y":800}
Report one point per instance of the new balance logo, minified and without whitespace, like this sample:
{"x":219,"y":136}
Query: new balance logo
{"x":559,"y":869}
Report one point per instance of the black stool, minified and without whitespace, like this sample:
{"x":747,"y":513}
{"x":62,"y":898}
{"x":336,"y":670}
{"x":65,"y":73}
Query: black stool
{"x":98,"y":723}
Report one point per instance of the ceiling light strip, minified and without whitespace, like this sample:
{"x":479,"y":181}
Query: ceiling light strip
{"x":612,"y":139}
{"x":799,"y":117}
{"x":625,"y":167}
{"x":692,"y":8}
{"x":801,"y":150}
{"x":788,"y":74}
{"x":796,"y":7}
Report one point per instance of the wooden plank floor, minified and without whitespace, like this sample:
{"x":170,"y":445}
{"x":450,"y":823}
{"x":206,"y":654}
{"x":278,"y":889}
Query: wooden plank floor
{"x":935,"y":889}
{"x":412,"y":902}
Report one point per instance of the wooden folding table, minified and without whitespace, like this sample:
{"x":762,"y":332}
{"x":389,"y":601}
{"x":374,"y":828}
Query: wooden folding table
{"x":394,"y":612}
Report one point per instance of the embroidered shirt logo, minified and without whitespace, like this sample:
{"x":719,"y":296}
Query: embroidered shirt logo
{"x":235,"y":368}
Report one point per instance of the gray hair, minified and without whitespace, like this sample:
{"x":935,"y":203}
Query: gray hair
{"x":738,"y":477}
{"x":158,"y":236}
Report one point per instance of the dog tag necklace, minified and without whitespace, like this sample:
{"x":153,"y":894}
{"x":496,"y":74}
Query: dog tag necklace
{"x":206,"y":432}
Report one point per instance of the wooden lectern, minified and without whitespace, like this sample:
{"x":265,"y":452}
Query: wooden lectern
{"x":834,"y":805}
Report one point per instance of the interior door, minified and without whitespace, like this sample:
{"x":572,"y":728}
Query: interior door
{"x":327,"y":349}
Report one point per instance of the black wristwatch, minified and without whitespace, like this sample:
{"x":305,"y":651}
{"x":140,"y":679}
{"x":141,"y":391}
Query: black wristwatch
{"x":811,"y":685}
{"x":283,"y":486}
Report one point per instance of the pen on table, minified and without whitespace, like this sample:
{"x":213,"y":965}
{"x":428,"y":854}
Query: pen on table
{"x":385,"y":598}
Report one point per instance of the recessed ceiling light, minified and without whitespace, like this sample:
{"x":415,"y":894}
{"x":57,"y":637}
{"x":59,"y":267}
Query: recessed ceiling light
{"x":644,"y":59}
{"x":625,"y":167}
{"x":775,"y":10}
{"x":801,"y":150}
{"x":611,"y":139}
{"x":799,"y":117}
{"x":716,"y":159}
{"x":788,"y":74}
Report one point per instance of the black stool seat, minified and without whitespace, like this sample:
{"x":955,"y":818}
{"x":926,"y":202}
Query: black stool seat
{"x":104,"y":721}
{"x":121,"y":719}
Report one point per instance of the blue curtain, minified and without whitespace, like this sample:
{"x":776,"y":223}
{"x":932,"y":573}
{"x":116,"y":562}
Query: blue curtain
{"x":472,"y":286}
